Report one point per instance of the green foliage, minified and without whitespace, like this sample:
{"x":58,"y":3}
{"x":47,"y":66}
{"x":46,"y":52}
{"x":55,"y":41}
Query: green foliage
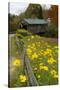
{"x":20,"y":33}
{"x":33,"y":11}
{"x":51,"y":32}
{"x":13,"y":23}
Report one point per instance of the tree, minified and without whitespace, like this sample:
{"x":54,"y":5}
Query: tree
{"x":33,"y":11}
{"x":52,"y":13}
{"x":13,"y":23}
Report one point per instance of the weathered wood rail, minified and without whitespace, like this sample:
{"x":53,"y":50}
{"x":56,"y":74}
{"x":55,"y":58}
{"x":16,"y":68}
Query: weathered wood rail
{"x":27,"y":66}
{"x":32,"y":79}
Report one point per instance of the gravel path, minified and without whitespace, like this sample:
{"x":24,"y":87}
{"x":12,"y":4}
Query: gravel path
{"x":10,"y":58}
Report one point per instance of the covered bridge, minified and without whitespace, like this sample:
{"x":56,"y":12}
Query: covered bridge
{"x":35,"y":25}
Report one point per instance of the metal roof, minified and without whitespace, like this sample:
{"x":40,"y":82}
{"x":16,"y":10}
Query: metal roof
{"x":35,"y":21}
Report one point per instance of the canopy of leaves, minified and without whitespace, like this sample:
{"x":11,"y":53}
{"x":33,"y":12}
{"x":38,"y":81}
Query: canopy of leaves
{"x":33,"y":11}
{"x":13,"y":23}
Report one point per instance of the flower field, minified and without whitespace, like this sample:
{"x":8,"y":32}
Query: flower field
{"x":43,"y":57}
{"x":42,"y":54}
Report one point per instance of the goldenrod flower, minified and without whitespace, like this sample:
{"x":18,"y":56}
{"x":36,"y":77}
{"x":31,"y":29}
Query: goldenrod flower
{"x":22,"y":78}
{"x":34,"y":56}
{"x":16,"y":62}
{"x":51,"y":60}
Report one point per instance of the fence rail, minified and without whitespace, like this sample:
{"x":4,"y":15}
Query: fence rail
{"x":28,"y":68}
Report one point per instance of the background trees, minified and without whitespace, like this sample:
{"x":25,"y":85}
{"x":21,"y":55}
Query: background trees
{"x":13,"y":23}
{"x":34,"y":11}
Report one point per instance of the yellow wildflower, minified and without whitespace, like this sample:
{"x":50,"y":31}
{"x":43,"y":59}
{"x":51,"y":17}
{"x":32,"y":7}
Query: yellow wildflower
{"x":16,"y":62}
{"x":22,"y":78}
{"x":48,"y":51}
{"x":55,"y":76}
{"x":38,"y":76}
{"x":29,"y":51}
{"x":51,"y":60}
{"x":34,"y":56}
{"x":41,"y":67}
{"x":45,"y":68}
{"x":53,"y":72}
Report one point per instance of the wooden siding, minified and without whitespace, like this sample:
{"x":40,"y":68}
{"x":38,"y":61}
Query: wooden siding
{"x":36,"y":28}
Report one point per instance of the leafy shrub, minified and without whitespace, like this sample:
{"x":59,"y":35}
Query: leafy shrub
{"x":52,"y":31}
{"x":22,"y":33}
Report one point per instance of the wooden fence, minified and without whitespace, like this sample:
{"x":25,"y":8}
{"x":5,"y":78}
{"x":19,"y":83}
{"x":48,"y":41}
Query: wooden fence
{"x":27,"y":66}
